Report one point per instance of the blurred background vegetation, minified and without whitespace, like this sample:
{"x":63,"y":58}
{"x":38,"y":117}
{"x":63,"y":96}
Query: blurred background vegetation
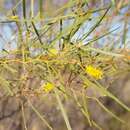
{"x":64,"y":64}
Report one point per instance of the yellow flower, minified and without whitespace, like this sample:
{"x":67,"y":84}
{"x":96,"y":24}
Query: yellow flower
{"x":48,"y":87}
{"x":15,"y":17}
{"x":53,"y":52}
{"x":94,"y":72}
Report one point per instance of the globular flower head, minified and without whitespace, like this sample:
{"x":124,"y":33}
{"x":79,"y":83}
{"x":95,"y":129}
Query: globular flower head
{"x":47,"y":87}
{"x":14,"y":17}
{"x":94,"y":72}
{"x":53,"y":52}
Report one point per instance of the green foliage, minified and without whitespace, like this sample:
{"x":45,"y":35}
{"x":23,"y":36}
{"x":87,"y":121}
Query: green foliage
{"x":52,"y":48}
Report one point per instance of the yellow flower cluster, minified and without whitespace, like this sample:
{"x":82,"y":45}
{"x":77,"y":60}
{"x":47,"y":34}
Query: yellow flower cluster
{"x":94,"y":72}
{"x":14,"y":17}
{"x":53,"y":52}
{"x":48,"y":87}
